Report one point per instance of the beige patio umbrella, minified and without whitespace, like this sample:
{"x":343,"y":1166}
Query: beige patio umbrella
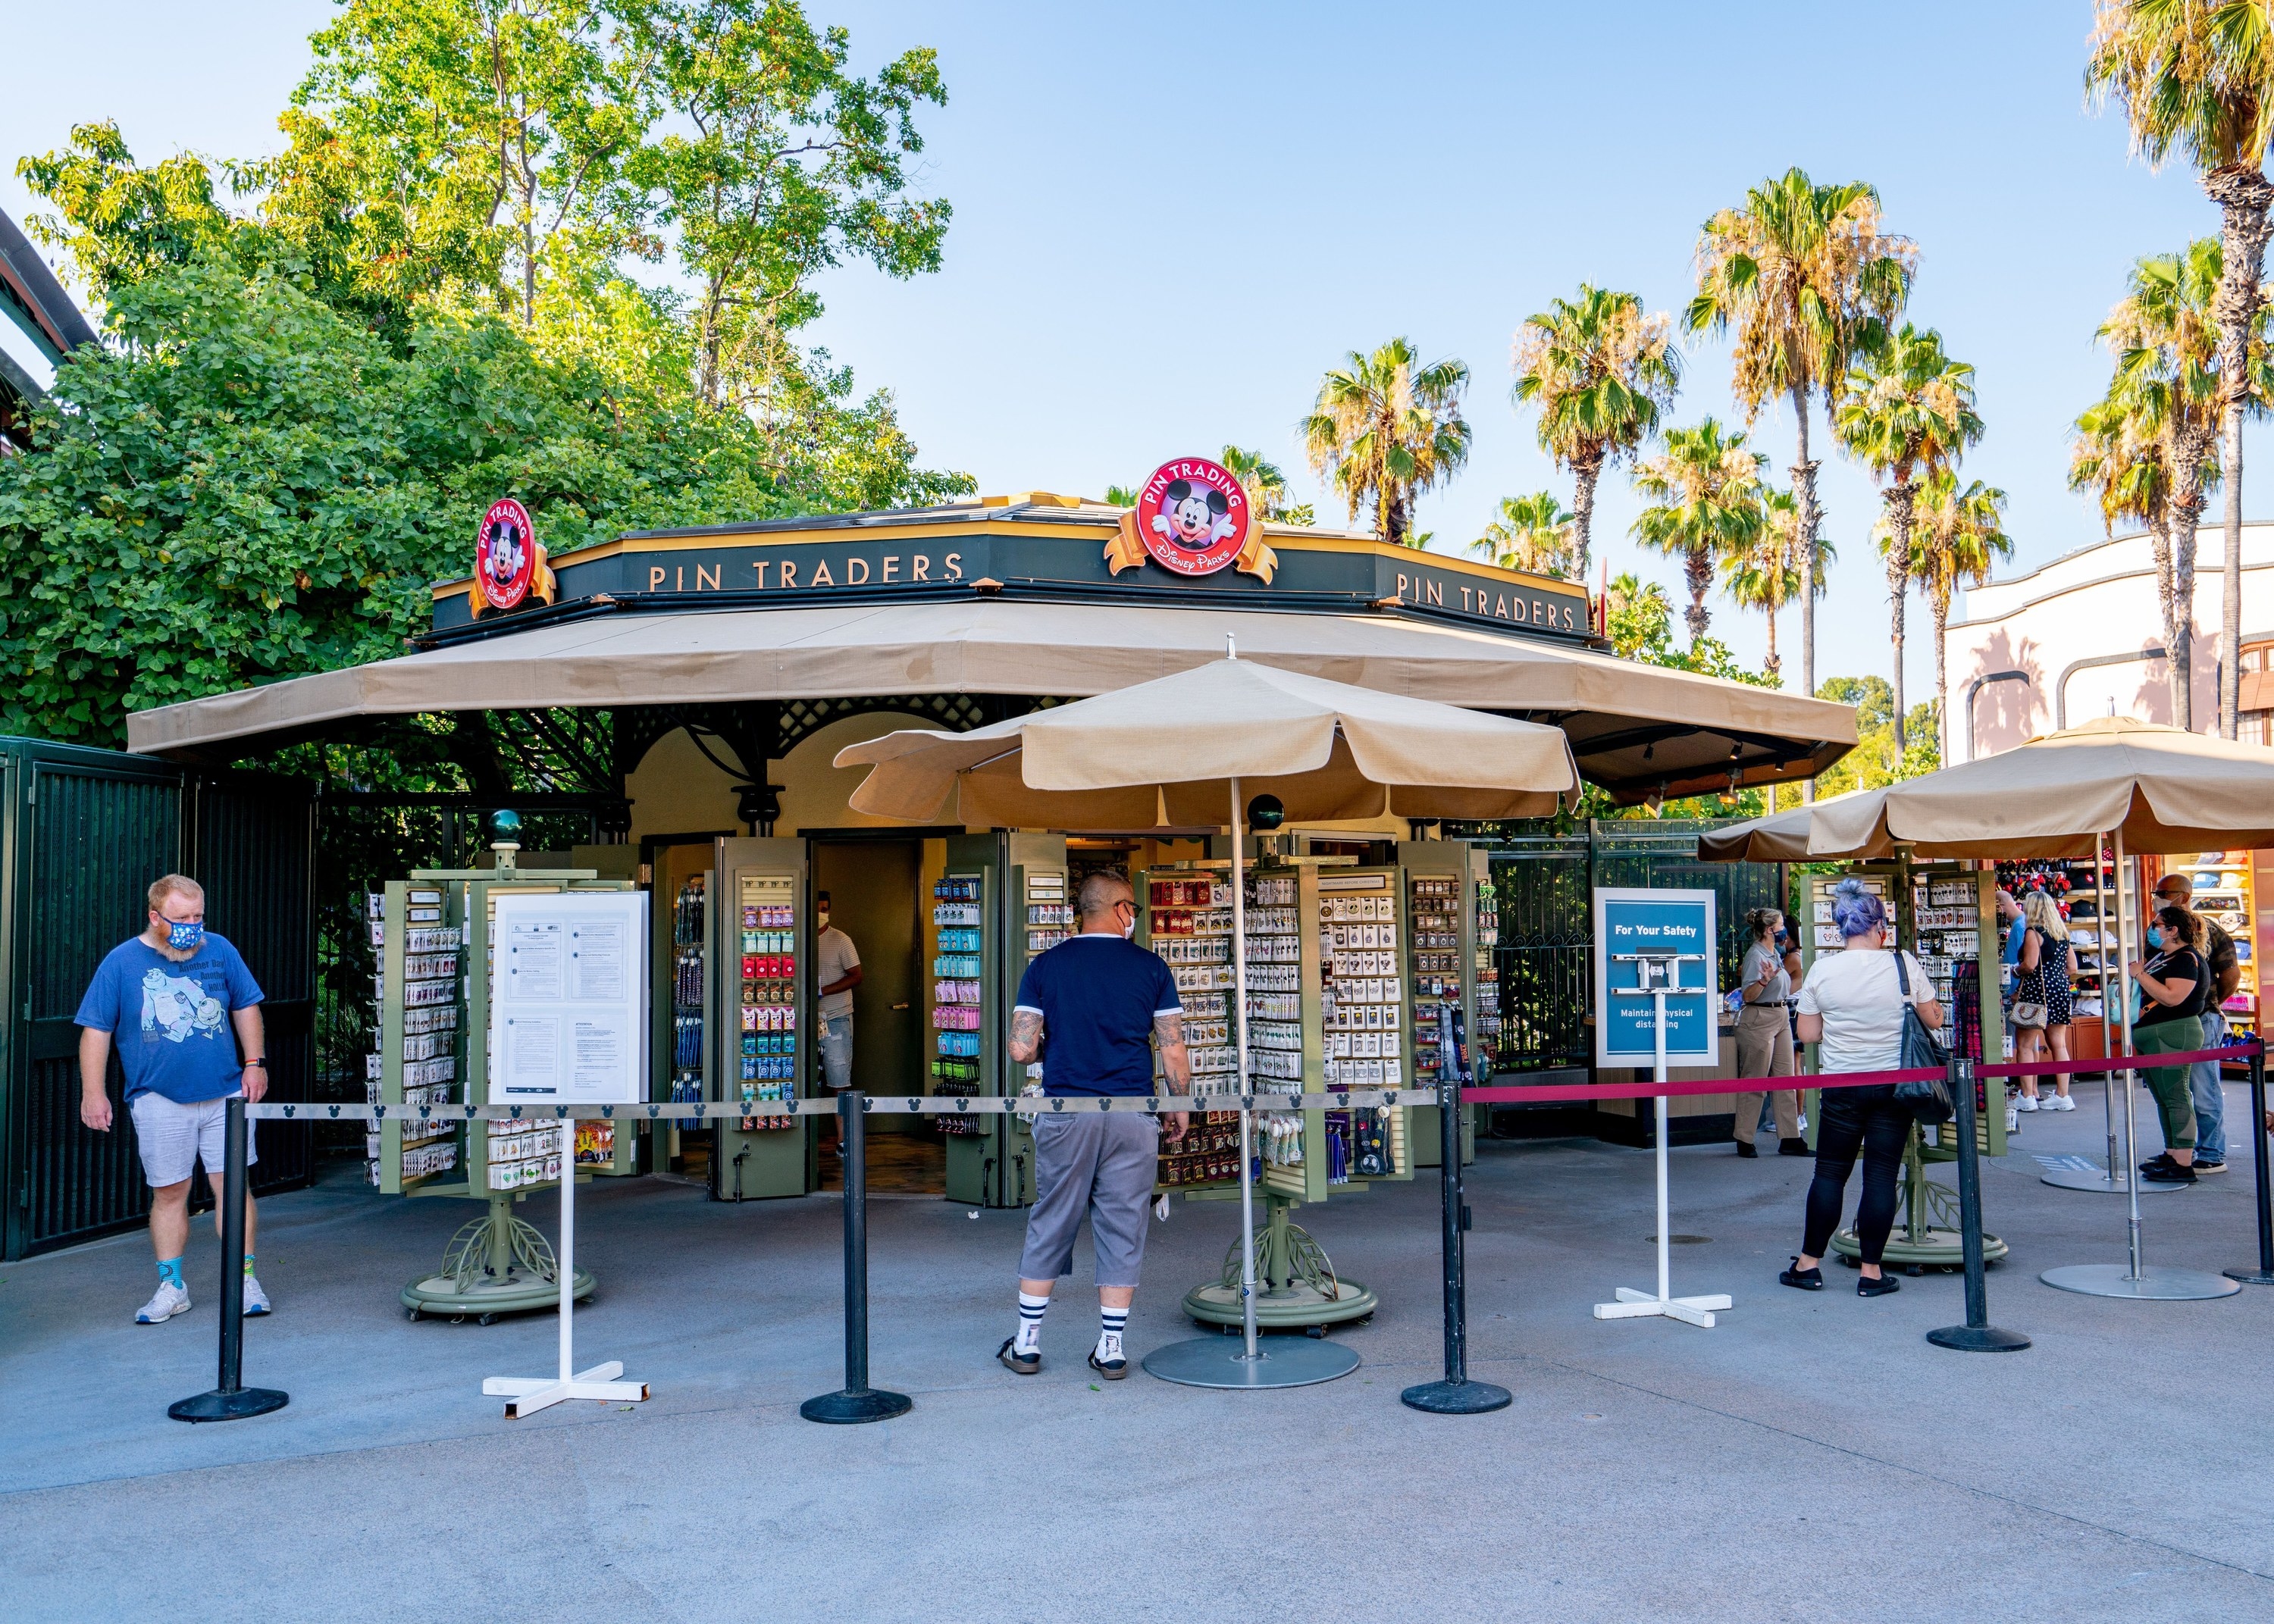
{"x":1189,"y":748}
{"x":1782,"y":837}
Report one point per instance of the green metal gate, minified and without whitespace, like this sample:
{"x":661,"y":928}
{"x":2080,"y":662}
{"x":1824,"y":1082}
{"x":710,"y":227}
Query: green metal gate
{"x":82,"y":834}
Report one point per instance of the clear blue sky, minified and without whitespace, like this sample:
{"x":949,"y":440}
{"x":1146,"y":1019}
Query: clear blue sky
{"x":1171,"y":219}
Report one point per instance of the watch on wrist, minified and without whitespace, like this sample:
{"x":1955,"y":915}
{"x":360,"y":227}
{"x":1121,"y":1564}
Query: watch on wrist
{"x":259,"y":1060}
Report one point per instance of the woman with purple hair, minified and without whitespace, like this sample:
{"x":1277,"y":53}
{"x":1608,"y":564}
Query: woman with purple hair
{"x":1851,"y":1006}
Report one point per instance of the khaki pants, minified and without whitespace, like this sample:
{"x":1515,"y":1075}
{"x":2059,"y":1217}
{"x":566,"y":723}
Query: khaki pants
{"x":1765,"y":1049}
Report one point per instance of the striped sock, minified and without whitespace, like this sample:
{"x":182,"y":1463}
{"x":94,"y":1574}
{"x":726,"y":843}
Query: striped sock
{"x":1111,"y":1323}
{"x":1030,"y":1321}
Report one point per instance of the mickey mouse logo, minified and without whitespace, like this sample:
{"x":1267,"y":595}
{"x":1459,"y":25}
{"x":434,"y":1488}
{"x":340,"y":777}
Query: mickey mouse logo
{"x":1192,"y":518}
{"x":509,"y":561}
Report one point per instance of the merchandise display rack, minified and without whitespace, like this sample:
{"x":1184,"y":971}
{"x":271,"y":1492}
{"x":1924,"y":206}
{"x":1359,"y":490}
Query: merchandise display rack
{"x":497,"y":1263}
{"x":958,"y":1060}
{"x":688,"y":979}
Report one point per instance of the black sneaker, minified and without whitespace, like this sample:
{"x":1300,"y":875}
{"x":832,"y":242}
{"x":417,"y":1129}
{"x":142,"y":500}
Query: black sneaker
{"x":1746,"y":1147}
{"x":1024,"y":1364}
{"x":1887,"y":1285}
{"x":2203,"y":1164}
{"x":1792,"y":1147}
{"x":2153,"y":1162}
{"x":1802,"y":1278}
{"x":2170,"y":1174}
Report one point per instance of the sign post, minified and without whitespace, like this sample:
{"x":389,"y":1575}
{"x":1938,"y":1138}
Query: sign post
{"x":567,"y":1027}
{"x":1654,"y":997}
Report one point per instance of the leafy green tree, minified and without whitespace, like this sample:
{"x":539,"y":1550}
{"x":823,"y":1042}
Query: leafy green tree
{"x":1959,"y":535}
{"x":1704,"y":504}
{"x":1877,"y":760}
{"x":251,"y":485}
{"x":1808,"y":278}
{"x":2196,"y":80}
{"x":1533,"y":533}
{"x":1265,"y":485}
{"x":1601,"y":373}
{"x":1765,"y":574}
{"x":1909,"y":415}
{"x":1386,"y":427}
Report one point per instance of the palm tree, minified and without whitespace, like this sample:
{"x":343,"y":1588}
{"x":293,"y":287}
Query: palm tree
{"x":1121,"y":495}
{"x":2196,"y":78}
{"x":1265,"y":485}
{"x":1960,"y":534}
{"x":1705,"y":504}
{"x":1909,"y":414}
{"x":2166,"y":351}
{"x":1600,"y":372}
{"x":1386,"y":428}
{"x":1533,"y":533}
{"x":1809,"y":279}
{"x":1766,"y":575}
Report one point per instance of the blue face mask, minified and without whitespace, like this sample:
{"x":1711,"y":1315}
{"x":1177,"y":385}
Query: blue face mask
{"x":2155,"y":937}
{"x":183,"y":936}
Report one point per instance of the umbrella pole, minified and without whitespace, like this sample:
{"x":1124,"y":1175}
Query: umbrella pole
{"x":2131,"y":1150}
{"x":1246,"y":1086}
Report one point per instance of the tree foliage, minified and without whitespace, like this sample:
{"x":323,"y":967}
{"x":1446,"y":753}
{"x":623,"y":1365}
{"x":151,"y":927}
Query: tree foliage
{"x":1533,"y":533}
{"x":1386,"y":427}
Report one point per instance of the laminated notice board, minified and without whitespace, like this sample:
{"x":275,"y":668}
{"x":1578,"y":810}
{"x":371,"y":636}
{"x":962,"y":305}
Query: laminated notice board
{"x":568,"y":1017}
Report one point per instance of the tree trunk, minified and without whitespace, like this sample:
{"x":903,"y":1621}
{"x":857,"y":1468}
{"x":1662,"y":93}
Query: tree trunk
{"x":2165,"y":596}
{"x":1394,"y":523}
{"x":1900,"y":497}
{"x":2243,"y":195}
{"x":2179,"y":608}
{"x":1698,"y":570}
{"x":1585,"y":472}
{"x":1804,"y":488}
{"x":1771,"y":664}
{"x":1941,"y":603}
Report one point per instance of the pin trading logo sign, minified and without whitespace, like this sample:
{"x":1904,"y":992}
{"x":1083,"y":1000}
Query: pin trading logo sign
{"x":1193,"y":518}
{"x":509,"y":559}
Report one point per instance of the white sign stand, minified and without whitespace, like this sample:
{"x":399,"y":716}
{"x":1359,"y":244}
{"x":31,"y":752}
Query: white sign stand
{"x":1632,"y":1304}
{"x":525,"y":1395}
{"x":584,"y":962}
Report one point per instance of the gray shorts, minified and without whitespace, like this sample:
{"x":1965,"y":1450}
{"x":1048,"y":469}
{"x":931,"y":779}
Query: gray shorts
{"x":1102,"y":1164}
{"x":837,"y":1051}
{"x":174,"y":1137}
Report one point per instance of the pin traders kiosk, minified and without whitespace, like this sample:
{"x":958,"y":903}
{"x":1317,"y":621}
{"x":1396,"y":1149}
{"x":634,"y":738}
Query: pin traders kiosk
{"x":692,"y":687}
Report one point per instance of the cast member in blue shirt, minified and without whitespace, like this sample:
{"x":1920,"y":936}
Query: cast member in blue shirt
{"x":1089,"y":1010}
{"x":170,"y":998}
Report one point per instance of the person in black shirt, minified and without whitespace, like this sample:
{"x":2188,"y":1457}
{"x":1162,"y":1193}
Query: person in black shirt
{"x":2226,"y":966}
{"x":2173,"y":986}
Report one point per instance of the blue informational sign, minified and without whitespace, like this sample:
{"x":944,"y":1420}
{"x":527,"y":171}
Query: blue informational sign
{"x":1646,"y":939}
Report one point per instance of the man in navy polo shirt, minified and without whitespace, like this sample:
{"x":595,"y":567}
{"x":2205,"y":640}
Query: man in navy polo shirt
{"x":184,"y":1014}
{"x":1088,"y":1009}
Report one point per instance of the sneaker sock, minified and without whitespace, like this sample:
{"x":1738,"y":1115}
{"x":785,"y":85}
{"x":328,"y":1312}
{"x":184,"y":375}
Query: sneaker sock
{"x":1031,"y":1322}
{"x":248,"y":1265}
{"x":169,"y":1274}
{"x":1111,"y":1322}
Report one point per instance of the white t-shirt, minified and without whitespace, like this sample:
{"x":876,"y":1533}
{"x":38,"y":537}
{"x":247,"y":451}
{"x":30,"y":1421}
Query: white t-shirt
{"x":1861,"y":1000}
{"x":834,"y":957}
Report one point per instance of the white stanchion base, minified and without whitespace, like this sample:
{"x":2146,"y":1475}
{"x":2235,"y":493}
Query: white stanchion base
{"x":2154,"y":1281}
{"x":525,"y":1395}
{"x":1632,"y":1304}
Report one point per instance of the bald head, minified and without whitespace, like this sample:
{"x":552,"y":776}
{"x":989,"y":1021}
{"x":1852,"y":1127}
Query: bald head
{"x":1101,"y":894}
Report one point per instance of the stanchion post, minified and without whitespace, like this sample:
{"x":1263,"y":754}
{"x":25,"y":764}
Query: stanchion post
{"x":1456,"y":1395}
{"x":858,"y":1401}
{"x":2264,"y":1275}
{"x":230,"y":1400}
{"x":1977,"y":1335}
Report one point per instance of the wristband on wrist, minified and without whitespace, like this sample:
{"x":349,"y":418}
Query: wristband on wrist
{"x":259,"y":1060}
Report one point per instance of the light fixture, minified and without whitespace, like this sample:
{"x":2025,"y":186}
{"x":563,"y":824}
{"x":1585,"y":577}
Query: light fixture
{"x":1736,"y":748}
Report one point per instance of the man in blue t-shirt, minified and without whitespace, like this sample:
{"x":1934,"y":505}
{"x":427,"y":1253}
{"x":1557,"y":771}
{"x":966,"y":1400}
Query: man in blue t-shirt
{"x":180,"y":1004}
{"x":1089,"y":1010}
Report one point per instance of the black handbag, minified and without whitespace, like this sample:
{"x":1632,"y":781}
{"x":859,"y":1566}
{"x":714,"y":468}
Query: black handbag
{"x":1929,"y":1098}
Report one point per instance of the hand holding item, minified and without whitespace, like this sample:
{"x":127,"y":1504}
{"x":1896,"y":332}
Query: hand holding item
{"x":2136,"y":968}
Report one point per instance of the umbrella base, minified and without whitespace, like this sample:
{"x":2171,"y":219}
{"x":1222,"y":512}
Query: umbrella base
{"x":1219,"y":1362}
{"x":2153,"y":1283}
{"x":1933,"y":1249}
{"x":1457,"y":1398}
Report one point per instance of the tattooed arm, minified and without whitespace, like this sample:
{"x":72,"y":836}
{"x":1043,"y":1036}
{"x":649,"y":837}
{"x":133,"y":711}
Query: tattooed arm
{"x":1026,"y":1036}
{"x":1169,"y":1030}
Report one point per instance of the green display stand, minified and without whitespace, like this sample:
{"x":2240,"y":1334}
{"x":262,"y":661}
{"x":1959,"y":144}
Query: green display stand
{"x":498,"y":1264}
{"x":1929,"y":1235}
{"x":1298,"y":1289}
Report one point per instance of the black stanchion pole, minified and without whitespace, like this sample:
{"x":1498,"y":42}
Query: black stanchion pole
{"x":858,"y":1401}
{"x":231,"y":1400}
{"x":2264,"y":1275}
{"x":1456,"y":1395}
{"x":1977,"y":1335}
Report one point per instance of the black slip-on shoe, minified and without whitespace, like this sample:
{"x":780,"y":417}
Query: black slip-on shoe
{"x":1024,"y":1364}
{"x":1112,"y":1370}
{"x":2174,"y":1174}
{"x":1887,"y":1285}
{"x":1802,"y":1278}
{"x":1746,"y":1147}
{"x":2164,"y":1160}
{"x":1792,"y":1147}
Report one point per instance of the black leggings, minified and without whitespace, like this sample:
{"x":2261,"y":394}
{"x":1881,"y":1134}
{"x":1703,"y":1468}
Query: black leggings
{"x":1849,"y":1119}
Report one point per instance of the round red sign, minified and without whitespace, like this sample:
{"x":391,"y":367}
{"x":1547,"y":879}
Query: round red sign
{"x":1193,"y":516}
{"x":505,"y":553}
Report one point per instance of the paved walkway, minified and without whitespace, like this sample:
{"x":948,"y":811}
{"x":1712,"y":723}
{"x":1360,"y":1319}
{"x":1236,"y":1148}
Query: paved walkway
{"x":1811,"y":1458}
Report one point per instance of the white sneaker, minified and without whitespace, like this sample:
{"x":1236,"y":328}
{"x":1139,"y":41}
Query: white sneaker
{"x":2027,"y":1102}
{"x":171,"y":1300}
{"x":256,"y":1300}
{"x":2060,"y":1103}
